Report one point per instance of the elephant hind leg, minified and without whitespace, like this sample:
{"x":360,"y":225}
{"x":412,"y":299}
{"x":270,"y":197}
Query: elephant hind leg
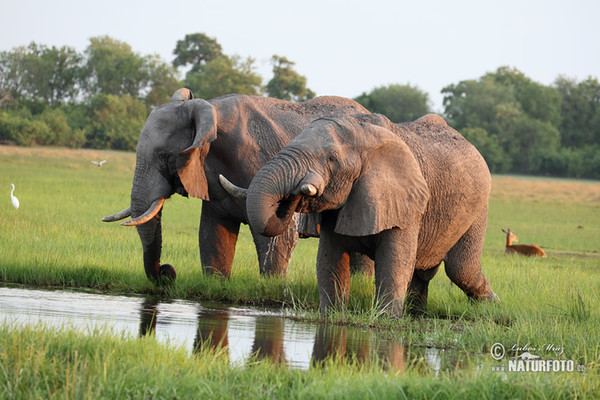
{"x":274,"y":253}
{"x":463,"y":262}
{"x":416,"y":297}
{"x":361,"y":263}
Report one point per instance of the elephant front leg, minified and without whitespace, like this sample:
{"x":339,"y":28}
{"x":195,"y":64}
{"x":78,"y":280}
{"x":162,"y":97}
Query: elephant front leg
{"x":217,"y":239}
{"x":394,"y":267}
{"x":333,"y":273}
{"x":274,"y":252}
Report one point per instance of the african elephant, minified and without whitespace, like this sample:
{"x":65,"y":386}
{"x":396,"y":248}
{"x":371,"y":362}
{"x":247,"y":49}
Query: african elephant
{"x":182,"y":147}
{"x":407,"y":195}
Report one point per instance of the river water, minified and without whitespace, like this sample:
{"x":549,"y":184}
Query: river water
{"x":240,"y":331}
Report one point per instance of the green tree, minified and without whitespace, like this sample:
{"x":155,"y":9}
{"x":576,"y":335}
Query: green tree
{"x":224,"y":75}
{"x":400,"y":103}
{"x":196,"y":49}
{"x":580,"y":111}
{"x":41,"y":74}
{"x":286,"y":83}
{"x":522,"y":116}
{"x":113,"y":68}
{"x":473,"y":104}
{"x":116,"y":122}
{"x":163,"y":81}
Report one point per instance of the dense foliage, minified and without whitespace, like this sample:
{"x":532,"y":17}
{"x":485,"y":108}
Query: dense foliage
{"x":522,"y":126}
{"x":400,"y":103}
{"x":100,"y":99}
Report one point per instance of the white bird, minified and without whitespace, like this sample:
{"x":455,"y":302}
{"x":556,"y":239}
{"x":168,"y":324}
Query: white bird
{"x":15,"y":201}
{"x":98,"y":163}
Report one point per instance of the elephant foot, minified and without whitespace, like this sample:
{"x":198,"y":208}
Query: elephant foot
{"x":166,"y":274}
{"x":216,"y":272}
{"x":490,"y":297}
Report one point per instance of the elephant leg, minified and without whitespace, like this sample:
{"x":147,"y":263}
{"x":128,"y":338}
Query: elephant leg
{"x":394,"y":267}
{"x":274,"y":252}
{"x":217,"y":238}
{"x":361,"y":263}
{"x":463,"y":262}
{"x":416,"y":297}
{"x":333,"y":270}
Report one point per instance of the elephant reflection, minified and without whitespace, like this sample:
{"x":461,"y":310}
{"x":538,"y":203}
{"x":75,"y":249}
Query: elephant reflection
{"x":219,"y":329}
{"x":148,"y":314}
{"x":212,"y":330}
{"x":343,"y":343}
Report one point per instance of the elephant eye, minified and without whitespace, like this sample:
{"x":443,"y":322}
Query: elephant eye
{"x":332,"y":158}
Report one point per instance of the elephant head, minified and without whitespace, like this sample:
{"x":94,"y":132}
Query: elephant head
{"x":351,"y":164}
{"x":169,"y":159}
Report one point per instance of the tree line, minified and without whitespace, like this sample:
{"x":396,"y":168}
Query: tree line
{"x":100,"y":98}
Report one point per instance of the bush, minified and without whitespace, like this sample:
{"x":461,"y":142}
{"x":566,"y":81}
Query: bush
{"x":116,"y":122}
{"x":568,"y":162}
{"x":22,"y":131}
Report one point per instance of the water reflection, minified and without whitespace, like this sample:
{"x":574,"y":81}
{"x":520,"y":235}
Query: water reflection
{"x":240,"y":333}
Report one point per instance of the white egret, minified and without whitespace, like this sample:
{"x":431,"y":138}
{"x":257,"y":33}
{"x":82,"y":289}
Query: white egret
{"x":15,"y":201}
{"x":98,"y":163}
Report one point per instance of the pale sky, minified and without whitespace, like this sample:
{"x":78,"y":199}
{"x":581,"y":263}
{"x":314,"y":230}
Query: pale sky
{"x":343,"y":47}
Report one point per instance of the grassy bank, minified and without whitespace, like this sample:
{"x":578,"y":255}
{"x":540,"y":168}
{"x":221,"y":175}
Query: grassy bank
{"x":42,"y":363}
{"x":56,"y":239}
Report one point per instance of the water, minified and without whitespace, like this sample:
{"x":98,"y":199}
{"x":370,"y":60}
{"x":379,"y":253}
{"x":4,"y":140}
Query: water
{"x":241,"y":332}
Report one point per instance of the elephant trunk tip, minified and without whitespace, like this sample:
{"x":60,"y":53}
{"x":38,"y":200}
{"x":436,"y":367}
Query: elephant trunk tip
{"x":276,"y":222}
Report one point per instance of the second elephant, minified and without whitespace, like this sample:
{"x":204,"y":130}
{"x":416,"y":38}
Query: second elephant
{"x":407,"y":195}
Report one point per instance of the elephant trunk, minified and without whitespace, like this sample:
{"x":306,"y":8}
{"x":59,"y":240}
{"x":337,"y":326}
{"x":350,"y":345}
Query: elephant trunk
{"x":273,"y":196}
{"x":146,"y":213}
{"x":151,"y":236}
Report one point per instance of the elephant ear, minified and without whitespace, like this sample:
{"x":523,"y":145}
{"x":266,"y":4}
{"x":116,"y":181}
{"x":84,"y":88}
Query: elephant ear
{"x":182,"y":94}
{"x":390,"y":192}
{"x":190,"y":162}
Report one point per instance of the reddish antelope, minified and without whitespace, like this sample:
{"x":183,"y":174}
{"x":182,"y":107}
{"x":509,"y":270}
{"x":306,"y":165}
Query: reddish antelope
{"x":524,"y":249}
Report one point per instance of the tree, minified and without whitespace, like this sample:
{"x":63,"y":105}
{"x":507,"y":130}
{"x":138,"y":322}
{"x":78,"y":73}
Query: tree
{"x":116,"y":122}
{"x":41,"y":74}
{"x":196,"y":50}
{"x":162,"y":81}
{"x":286,"y":83}
{"x":224,"y":75}
{"x":399,"y":103}
{"x":520,"y":115}
{"x":580,"y":111}
{"x":113,"y":68}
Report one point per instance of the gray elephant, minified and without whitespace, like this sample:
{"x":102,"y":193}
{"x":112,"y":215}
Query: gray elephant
{"x":183,"y":145}
{"x":407,"y":195}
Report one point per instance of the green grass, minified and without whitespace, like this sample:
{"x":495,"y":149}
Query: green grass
{"x":38,"y":362}
{"x":56,"y":238}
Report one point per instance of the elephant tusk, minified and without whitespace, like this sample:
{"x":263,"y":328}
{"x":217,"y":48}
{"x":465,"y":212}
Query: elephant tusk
{"x":235,"y":191}
{"x":118,"y":216}
{"x":148,"y":215}
{"x":308,"y":189}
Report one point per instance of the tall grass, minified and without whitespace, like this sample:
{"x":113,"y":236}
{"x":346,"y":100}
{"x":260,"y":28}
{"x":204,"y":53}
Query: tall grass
{"x":56,"y":238}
